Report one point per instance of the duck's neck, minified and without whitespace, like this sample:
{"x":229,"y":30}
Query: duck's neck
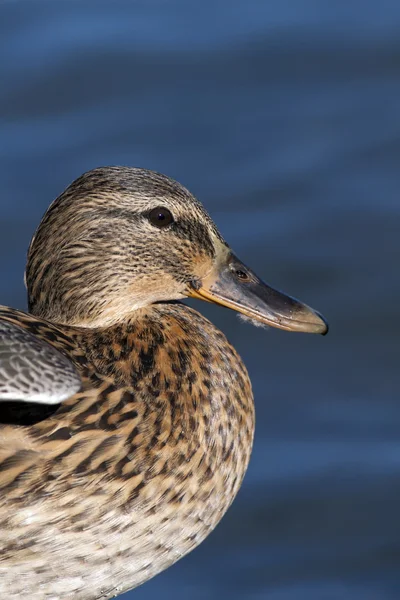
{"x":191,"y":384}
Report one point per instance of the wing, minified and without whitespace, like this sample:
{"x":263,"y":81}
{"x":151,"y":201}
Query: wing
{"x":33,"y":371}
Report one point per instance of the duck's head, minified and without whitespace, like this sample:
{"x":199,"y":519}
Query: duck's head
{"x":122,"y":238}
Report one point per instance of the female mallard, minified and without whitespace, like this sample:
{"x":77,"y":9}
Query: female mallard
{"x":126,"y":417}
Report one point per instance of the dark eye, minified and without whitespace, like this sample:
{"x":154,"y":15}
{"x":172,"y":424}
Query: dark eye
{"x":160,"y":217}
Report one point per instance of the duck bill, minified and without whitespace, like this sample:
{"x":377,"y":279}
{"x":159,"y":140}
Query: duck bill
{"x":235,"y":286}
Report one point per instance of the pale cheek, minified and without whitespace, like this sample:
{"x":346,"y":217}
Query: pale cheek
{"x":202,"y":266}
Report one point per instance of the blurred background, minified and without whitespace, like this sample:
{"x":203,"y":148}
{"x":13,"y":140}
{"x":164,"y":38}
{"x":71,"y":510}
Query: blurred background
{"x":283,"y":117}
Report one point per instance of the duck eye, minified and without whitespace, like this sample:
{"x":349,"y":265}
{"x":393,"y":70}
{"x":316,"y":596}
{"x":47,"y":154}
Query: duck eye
{"x":160,"y":217}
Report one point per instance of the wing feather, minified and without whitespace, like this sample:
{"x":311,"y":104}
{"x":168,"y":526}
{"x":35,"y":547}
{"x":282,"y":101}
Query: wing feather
{"x":33,"y":371}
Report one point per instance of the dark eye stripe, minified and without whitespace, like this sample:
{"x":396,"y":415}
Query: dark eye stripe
{"x":160,"y":217}
{"x":197,"y":233}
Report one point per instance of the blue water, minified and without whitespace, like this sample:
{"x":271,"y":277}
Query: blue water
{"x":283,"y":117}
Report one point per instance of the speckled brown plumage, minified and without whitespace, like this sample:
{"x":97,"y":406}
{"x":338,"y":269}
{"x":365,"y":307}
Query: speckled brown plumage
{"x":102,"y":492}
{"x":134,"y":471}
{"x":116,"y":483}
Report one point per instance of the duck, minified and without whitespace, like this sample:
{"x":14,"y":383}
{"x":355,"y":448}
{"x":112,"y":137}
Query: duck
{"x":126,"y":417}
